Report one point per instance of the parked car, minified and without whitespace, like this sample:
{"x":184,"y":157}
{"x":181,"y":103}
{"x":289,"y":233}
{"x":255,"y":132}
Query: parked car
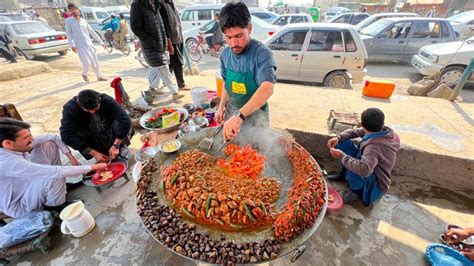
{"x":334,"y":12}
{"x":116,"y":10}
{"x":350,"y":18}
{"x":35,"y":37}
{"x":398,"y":39}
{"x":260,"y":31}
{"x":328,"y":53}
{"x":198,"y":15}
{"x":463,"y":24}
{"x":292,"y":19}
{"x":14,"y":17}
{"x":353,"y":6}
{"x":264,"y":15}
{"x":376,"y":17}
{"x":452,"y":58}
{"x":95,"y":16}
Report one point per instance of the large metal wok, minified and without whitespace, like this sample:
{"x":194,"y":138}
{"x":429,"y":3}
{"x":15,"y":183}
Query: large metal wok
{"x":277,"y":165}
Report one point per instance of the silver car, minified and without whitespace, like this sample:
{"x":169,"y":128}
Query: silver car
{"x":398,"y":39}
{"x":328,"y":53}
{"x":35,"y":37}
{"x":376,"y":17}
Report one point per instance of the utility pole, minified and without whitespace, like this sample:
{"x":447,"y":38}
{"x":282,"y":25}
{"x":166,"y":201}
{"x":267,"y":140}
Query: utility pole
{"x":462,"y":81}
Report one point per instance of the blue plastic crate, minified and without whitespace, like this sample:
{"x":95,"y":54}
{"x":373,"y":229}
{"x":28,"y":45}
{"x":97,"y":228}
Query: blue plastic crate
{"x":442,"y":255}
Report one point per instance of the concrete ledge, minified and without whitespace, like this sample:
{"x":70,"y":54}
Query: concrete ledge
{"x":443,"y":170}
{"x":23,"y":68}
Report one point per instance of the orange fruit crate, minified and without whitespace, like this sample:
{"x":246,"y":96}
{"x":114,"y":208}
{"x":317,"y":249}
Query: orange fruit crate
{"x":378,"y":88}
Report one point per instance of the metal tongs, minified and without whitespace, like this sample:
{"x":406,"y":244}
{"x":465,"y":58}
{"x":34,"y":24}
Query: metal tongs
{"x":226,"y":142}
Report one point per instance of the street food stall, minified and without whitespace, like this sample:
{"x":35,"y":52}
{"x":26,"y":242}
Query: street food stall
{"x":255,"y":200}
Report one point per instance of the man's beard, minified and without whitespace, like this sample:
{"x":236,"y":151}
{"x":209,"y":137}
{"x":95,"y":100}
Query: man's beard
{"x":239,"y":51}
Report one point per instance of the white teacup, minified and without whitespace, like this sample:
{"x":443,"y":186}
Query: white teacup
{"x":76,"y":220}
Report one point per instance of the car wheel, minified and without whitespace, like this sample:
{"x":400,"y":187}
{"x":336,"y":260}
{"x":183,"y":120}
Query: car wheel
{"x":338,"y":79}
{"x":63,"y":53}
{"x":451,"y":75}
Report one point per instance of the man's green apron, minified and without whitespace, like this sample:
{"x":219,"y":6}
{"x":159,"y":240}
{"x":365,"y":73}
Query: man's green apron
{"x":241,"y":86}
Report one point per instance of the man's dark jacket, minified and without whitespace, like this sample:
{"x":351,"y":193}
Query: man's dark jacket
{"x":170,"y":17}
{"x":75,"y":119}
{"x":147,"y":24}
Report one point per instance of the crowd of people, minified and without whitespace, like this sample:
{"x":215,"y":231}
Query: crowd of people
{"x":97,"y":127}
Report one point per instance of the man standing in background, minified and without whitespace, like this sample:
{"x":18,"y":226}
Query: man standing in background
{"x":147,"y":24}
{"x":175,"y":36}
{"x":78,"y":35}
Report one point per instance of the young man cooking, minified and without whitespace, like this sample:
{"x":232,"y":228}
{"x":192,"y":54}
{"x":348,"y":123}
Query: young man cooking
{"x":248,"y":69}
{"x":31,"y":174}
{"x":366,"y":167}
{"x":96,"y":125}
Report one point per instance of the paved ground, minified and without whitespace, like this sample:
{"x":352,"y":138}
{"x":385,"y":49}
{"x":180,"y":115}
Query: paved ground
{"x":393,"y":232}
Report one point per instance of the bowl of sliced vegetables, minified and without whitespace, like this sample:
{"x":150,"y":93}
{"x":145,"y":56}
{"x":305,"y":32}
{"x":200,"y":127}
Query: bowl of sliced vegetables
{"x":170,"y":146}
{"x":164,"y":119}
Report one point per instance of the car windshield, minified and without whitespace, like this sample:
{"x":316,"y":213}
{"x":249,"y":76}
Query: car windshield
{"x":376,"y":27}
{"x":30,"y":28}
{"x":281,"y":21}
{"x":102,"y":14}
{"x":364,"y":23}
{"x":463,"y":17}
{"x":258,"y":22}
{"x":207,"y":26}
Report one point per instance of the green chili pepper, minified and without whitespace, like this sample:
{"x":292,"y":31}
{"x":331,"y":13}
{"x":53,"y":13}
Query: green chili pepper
{"x":175,"y":177}
{"x":218,"y":221}
{"x":249,"y":214}
{"x":202,"y":178}
{"x":188,"y":213}
{"x":264,"y":209}
{"x":208,"y":204}
{"x":162,"y":186}
{"x":237,"y":226}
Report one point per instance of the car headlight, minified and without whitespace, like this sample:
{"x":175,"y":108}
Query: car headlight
{"x":434,"y":58}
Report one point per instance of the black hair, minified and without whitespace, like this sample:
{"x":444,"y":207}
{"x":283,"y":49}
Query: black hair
{"x":112,"y":16}
{"x":372,"y":119}
{"x":121,"y":16}
{"x":9,"y":127}
{"x":71,"y":6}
{"x":88,"y":99}
{"x":234,"y":14}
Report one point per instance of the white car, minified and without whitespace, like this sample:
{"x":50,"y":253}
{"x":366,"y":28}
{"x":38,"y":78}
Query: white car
{"x":265,"y":15}
{"x":95,"y":16}
{"x":453,"y":57}
{"x":328,"y":53}
{"x":116,"y":10}
{"x":34,"y":37}
{"x":463,"y":24}
{"x":260,"y":31}
{"x":376,"y":17}
{"x":198,"y":15}
{"x":334,"y":12}
{"x":292,"y":19}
